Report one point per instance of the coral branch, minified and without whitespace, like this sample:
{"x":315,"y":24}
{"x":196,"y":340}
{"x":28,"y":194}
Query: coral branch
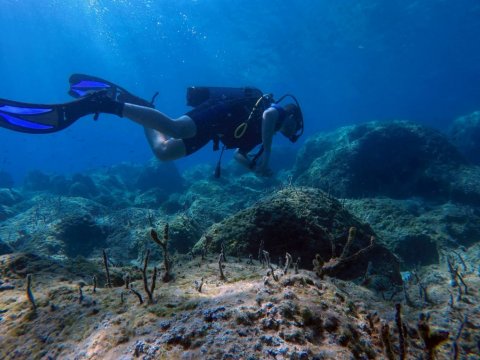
{"x":222,"y":252}
{"x":105,"y":261}
{"x":154,"y":280}
{"x":260,"y":252}
{"x":145,"y":279}
{"x":126,"y":278}
{"x":166,"y":263}
{"x":199,"y":284}
{"x":352,"y":233}
{"x":332,"y":266}
{"x":401,"y":338}
{"x":136,"y":293}
{"x":457,"y":338}
{"x":296,"y":265}
{"x":29,"y":292}
{"x":431,"y":339}
{"x":288,"y":262}
{"x":220,"y":267}
{"x":269,"y":264}
{"x":206,"y":244}
{"x":387,"y":344}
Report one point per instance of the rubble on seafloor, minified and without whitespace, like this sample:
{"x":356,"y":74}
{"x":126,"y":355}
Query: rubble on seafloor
{"x":69,"y":312}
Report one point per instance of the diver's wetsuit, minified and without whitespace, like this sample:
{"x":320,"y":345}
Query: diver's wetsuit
{"x":217,"y":120}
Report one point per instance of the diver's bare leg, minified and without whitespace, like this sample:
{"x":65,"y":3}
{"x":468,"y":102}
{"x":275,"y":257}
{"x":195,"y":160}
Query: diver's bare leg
{"x":165,"y":149}
{"x":182,"y":128}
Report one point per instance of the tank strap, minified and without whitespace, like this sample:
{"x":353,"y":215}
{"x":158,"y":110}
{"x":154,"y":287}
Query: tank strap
{"x":242,"y":128}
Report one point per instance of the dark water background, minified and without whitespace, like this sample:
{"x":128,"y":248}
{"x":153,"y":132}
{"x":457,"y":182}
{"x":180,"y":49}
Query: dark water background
{"x":347,"y":61}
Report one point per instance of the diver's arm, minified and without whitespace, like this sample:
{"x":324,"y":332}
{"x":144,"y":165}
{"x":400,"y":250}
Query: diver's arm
{"x":269,"y":120}
{"x":268,"y":130}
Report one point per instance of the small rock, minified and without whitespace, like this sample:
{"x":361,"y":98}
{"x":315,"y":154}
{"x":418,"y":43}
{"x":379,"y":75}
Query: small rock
{"x":6,"y":287}
{"x":242,"y":332}
{"x":214,"y":314}
{"x":165,"y":325}
{"x":270,"y":324}
{"x":289,"y":295}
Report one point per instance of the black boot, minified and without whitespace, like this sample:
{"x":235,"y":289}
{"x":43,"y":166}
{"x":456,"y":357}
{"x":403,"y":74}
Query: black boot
{"x":96,"y":103}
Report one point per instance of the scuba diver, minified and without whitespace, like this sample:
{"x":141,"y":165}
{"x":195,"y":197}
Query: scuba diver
{"x":239,"y":118}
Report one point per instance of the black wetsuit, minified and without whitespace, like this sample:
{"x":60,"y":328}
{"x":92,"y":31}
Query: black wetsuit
{"x":218,"y":119}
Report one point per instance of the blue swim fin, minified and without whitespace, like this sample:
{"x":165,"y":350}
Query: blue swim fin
{"x":44,"y":119}
{"x":94,"y":95}
{"x":33,"y":118}
{"x":81,"y":85}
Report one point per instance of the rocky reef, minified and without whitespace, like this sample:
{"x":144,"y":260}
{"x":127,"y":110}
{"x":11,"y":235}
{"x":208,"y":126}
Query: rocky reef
{"x":397,"y":159}
{"x":247,"y":312}
{"x":367,"y":248}
{"x":303,"y":222}
{"x":465,"y":134}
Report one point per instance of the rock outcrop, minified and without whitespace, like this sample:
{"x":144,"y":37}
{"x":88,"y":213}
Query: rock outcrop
{"x":303,"y":222}
{"x":465,"y":134}
{"x":396,"y":159}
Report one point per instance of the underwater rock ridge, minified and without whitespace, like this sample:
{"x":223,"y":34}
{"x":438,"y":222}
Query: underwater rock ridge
{"x":303,"y":222}
{"x":465,"y":134}
{"x":397,"y":159}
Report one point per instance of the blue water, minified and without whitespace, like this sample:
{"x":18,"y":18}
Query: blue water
{"x":347,"y":61}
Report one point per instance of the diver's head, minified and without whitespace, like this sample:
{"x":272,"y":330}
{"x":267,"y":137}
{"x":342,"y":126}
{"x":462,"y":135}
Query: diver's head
{"x":292,"y":124}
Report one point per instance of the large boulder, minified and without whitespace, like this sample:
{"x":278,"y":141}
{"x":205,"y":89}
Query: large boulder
{"x":48,"y":224}
{"x":209,"y":200}
{"x":5,"y":212}
{"x":81,"y":234}
{"x":9,"y":197}
{"x":37,"y":180}
{"x":416,"y":231}
{"x":125,"y":174}
{"x":302,"y":222}
{"x":184,"y":233}
{"x":83,"y":186}
{"x":465,"y":134}
{"x":158,"y":175}
{"x":397,"y":159}
{"x":5,"y":248}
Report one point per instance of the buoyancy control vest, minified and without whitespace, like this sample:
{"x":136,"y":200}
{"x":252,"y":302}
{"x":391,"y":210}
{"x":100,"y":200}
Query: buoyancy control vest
{"x":244,"y":106}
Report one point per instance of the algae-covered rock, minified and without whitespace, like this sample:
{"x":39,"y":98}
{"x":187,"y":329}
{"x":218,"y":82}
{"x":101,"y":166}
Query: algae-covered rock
{"x":5,"y":212}
{"x":5,"y":248}
{"x":465,"y":134}
{"x":159,"y":175}
{"x":78,"y":189}
{"x":417,"y":231}
{"x":83,"y":186}
{"x":184,"y":233}
{"x":303,"y":222}
{"x":37,"y":180}
{"x":81,"y":234}
{"x":464,"y":185}
{"x":396,"y":159}
{"x":60,"y":184}
{"x":9,"y":197}
{"x":152,"y":198}
{"x":212,"y":200}
{"x":35,"y":224}
{"x":173,"y":204}
{"x":80,"y":228}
